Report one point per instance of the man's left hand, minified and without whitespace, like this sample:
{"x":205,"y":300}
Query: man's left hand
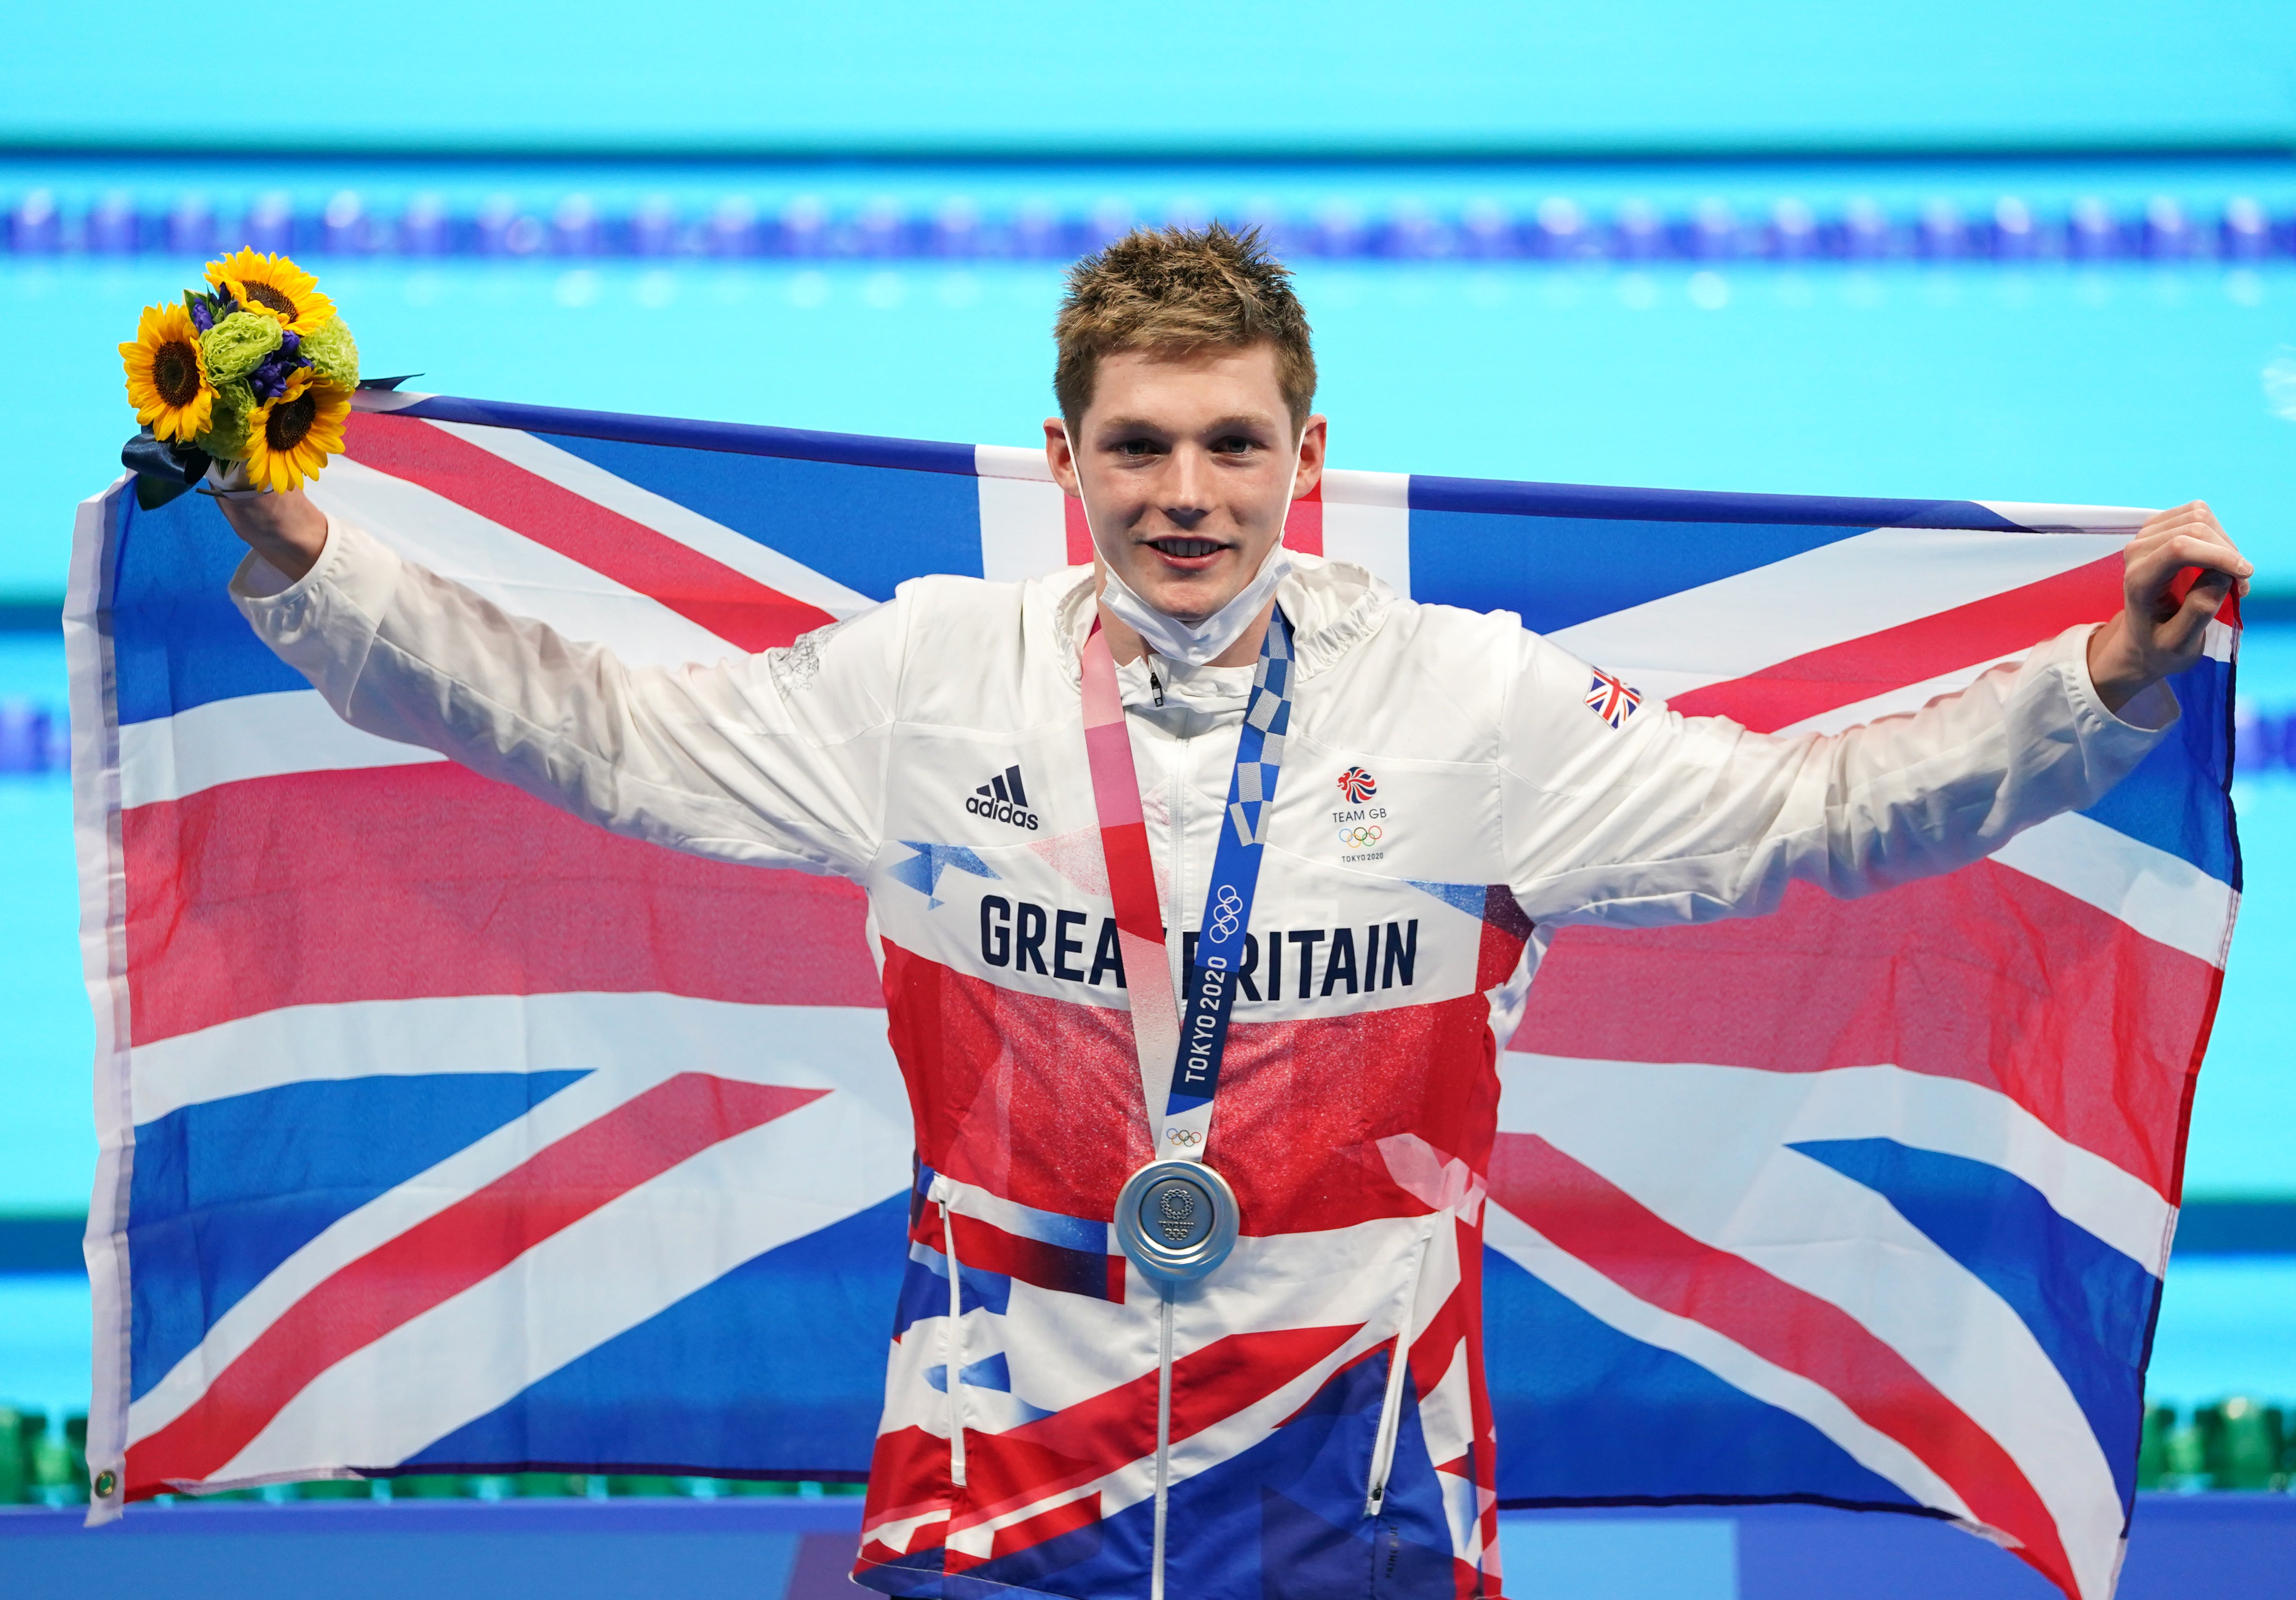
{"x":2156,"y":633}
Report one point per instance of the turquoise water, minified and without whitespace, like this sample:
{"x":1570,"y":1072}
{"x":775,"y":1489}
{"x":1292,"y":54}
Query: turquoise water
{"x":2243,"y":1137}
{"x":44,"y":1354}
{"x":2131,"y":384}
{"x":1350,"y":74}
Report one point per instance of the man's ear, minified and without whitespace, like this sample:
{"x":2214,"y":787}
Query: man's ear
{"x":1313,"y":438}
{"x":1060,"y":457}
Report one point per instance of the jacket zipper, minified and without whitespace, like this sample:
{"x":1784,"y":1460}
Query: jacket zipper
{"x":1390,"y":1412}
{"x":951,"y":1348}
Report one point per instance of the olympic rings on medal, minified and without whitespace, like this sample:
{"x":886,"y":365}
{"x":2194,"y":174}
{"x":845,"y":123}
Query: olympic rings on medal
{"x":1356,"y":838}
{"x":1227,"y":912}
{"x":1184,"y":1137}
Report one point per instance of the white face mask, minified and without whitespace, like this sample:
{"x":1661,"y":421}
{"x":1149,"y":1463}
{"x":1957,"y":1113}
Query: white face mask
{"x":1168,"y":636}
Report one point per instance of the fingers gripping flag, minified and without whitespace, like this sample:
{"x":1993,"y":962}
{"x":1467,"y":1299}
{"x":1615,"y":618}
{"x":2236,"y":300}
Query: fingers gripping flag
{"x":442,"y":1133}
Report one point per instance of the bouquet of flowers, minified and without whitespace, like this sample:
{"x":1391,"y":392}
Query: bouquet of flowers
{"x":246,"y":383}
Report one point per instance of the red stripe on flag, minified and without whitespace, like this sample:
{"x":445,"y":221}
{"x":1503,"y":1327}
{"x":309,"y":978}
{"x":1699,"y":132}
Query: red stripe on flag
{"x":1913,"y":652}
{"x":735,"y":606}
{"x":1585,"y":1214}
{"x":442,"y":1256}
{"x":1985,"y":975}
{"x":1078,"y":530}
{"x":1303,"y":525}
{"x":405,"y":883}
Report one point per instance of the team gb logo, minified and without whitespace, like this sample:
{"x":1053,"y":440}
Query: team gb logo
{"x":1357,"y":786}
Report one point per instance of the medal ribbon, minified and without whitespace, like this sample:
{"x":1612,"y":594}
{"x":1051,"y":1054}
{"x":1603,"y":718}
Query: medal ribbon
{"x":1181,"y":1041}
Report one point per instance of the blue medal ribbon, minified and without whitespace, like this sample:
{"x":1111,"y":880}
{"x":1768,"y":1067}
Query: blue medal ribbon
{"x":1212,"y":972}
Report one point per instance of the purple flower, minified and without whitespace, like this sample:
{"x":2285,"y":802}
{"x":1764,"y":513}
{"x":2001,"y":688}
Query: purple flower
{"x":270,"y":380}
{"x":202,"y":314}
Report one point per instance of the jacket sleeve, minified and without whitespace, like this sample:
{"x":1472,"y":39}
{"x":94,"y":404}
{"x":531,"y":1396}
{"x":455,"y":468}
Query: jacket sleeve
{"x":775,"y":759}
{"x":1671,"y":819}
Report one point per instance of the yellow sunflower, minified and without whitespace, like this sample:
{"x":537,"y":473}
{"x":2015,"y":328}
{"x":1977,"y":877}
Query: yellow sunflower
{"x":167,"y":374}
{"x":290,"y":439}
{"x":274,"y":286}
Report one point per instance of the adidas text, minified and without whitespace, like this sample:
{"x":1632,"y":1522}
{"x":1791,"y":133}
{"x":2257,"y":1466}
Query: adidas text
{"x":1003,"y":799}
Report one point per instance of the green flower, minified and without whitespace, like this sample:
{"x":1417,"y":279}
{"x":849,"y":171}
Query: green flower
{"x":225,"y":438}
{"x":235,"y":346}
{"x":328,"y":347}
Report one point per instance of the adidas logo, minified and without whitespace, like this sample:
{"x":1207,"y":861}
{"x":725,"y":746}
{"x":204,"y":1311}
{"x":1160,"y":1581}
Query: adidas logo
{"x":1003,"y":799}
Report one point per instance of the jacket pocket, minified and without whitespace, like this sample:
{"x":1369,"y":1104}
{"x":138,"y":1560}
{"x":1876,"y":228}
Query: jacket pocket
{"x":1399,"y":1367}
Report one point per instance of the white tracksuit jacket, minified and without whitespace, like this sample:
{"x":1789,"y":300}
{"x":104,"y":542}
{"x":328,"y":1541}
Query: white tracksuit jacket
{"x":1393,"y":943}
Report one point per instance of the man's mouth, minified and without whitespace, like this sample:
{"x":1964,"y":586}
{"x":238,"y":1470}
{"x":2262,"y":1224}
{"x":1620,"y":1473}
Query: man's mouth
{"x":1186,"y":549}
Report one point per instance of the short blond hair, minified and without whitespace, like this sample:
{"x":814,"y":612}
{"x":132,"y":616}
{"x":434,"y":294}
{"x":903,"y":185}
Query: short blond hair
{"x":1182,"y":288}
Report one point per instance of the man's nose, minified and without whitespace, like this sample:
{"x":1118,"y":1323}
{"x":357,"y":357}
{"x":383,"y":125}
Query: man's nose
{"x":1188,"y":499}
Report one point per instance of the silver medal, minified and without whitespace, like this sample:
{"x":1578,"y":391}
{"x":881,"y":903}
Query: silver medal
{"x":1177,"y":1220}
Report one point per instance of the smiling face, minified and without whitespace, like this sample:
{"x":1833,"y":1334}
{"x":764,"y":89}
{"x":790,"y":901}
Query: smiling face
{"x":1185,"y":461}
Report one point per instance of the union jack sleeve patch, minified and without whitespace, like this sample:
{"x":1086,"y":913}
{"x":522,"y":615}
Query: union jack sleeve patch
{"x":1611,"y":700}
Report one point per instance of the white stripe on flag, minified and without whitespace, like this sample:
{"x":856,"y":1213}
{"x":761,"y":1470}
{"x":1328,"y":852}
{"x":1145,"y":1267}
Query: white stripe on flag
{"x":1025,"y":461}
{"x":1367,"y":521}
{"x":1706,"y":1150}
{"x":512,"y":1033}
{"x":573,"y":473}
{"x":513,"y":571}
{"x":2163,"y":897}
{"x":628,"y":1043}
{"x":1717,"y":1353}
{"x":2120,"y":521}
{"x":1945,"y":1114}
{"x":1024,"y":514}
{"x":1846,"y":590}
{"x":247,"y":737}
{"x":655,"y":1245}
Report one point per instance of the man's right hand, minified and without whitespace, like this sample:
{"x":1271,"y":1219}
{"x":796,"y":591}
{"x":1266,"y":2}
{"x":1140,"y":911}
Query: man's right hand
{"x":285,"y":529}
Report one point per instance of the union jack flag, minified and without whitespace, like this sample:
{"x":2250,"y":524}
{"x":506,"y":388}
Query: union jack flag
{"x":1609,"y":699}
{"x":439,"y":1132}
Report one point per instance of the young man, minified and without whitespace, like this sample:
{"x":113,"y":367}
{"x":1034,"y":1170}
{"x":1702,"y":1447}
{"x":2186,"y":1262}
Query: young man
{"x":1284,"y":1389}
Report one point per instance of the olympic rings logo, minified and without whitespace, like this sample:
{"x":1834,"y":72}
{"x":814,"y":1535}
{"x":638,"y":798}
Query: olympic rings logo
{"x":1356,"y":838}
{"x":1184,"y":1137}
{"x":1228,"y":913}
